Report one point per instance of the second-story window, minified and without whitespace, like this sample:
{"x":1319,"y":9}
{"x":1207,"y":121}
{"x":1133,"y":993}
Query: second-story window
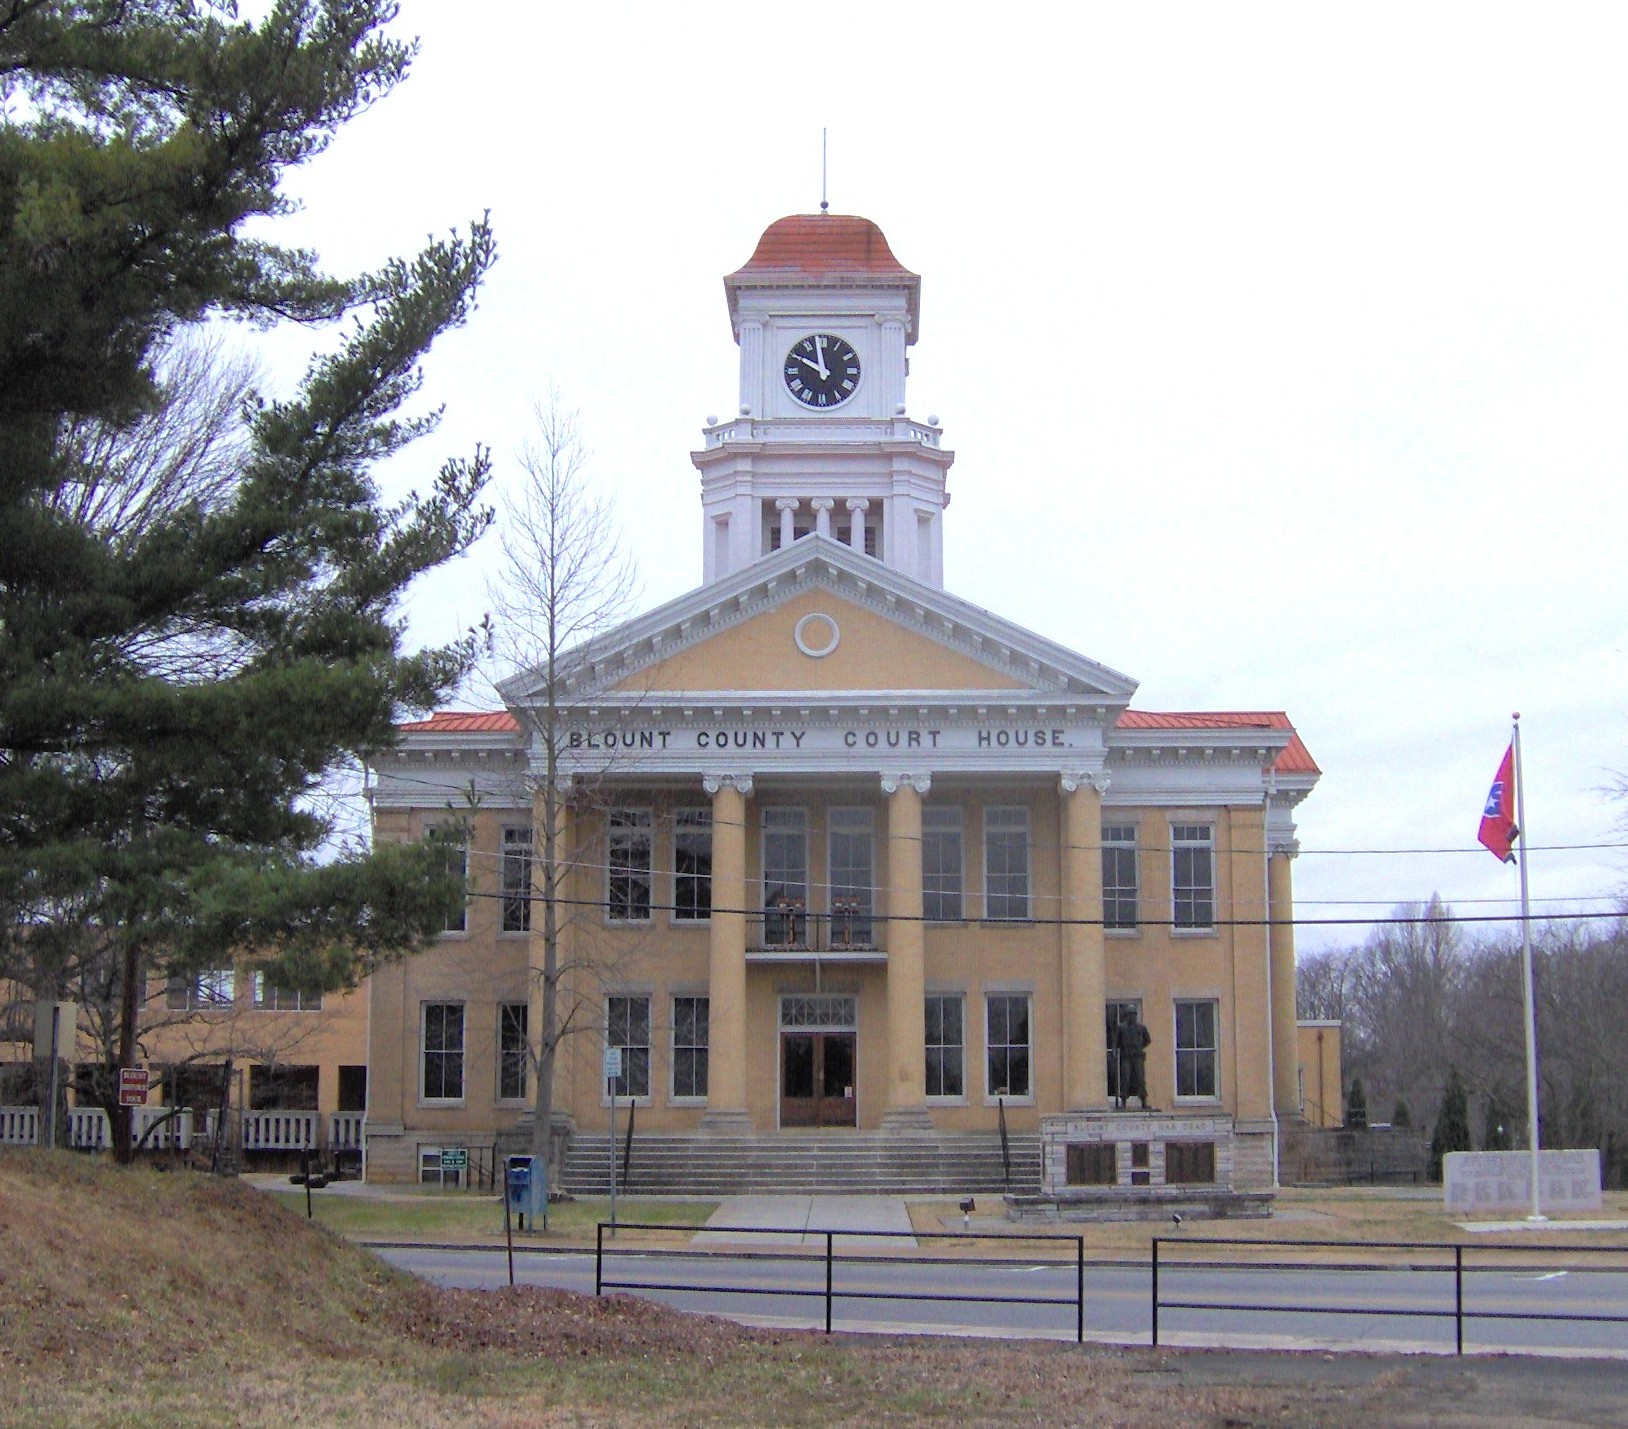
{"x":628,"y":865}
{"x":1119,"y":890}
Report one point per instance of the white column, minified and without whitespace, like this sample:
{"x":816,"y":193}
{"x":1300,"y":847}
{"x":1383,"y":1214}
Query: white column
{"x":856,"y":517}
{"x":751,"y":365}
{"x":822,"y":515}
{"x":787,"y":507}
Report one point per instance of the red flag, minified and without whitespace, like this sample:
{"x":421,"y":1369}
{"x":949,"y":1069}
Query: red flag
{"x":1498,"y":829}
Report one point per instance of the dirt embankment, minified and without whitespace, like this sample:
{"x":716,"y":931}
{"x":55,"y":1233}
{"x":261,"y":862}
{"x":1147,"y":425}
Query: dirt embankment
{"x":132,"y":1296}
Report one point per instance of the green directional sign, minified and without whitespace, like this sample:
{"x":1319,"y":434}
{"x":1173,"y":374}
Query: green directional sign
{"x":454,"y":1158}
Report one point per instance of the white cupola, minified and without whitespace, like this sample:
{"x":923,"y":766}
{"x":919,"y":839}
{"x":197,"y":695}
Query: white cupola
{"x":823,"y":313}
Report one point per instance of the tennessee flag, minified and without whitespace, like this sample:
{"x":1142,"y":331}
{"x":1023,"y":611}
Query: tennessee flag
{"x":1498,"y":829}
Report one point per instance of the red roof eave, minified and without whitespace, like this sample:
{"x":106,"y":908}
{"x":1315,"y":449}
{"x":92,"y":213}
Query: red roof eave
{"x":1293,"y":758}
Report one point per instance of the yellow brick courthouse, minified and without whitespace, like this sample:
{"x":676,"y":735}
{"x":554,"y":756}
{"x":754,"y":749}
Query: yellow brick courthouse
{"x":848,"y":852}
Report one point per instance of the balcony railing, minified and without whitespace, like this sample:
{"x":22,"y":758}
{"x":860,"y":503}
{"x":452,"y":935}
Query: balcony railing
{"x":789,"y":928}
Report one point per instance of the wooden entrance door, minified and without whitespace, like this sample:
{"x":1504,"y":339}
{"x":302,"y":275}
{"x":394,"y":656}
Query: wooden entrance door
{"x":817,"y":1079}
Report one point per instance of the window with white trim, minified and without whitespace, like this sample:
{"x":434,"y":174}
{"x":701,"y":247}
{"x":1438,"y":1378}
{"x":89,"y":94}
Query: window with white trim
{"x":457,"y":867}
{"x":441,"y":1052}
{"x":851,"y":844}
{"x":268,"y":997}
{"x":946,"y":1045}
{"x":1119,"y":882}
{"x":627,"y":1025}
{"x":1007,"y":1044}
{"x":209,"y":991}
{"x":432,"y":1173}
{"x":628,"y":865}
{"x":690,"y":1038}
{"x":1197,"y":1048}
{"x":516,"y":858}
{"x":941,"y":864}
{"x":513,"y":1052}
{"x":1006,"y":863}
{"x":692,"y":865}
{"x":1192,"y":876}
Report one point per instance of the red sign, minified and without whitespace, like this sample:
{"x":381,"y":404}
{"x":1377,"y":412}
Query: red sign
{"x":132,"y":1086}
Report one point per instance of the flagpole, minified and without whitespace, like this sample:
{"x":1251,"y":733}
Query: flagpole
{"x":1526,"y":977}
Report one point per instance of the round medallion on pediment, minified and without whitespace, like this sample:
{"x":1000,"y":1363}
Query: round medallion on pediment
{"x":817,"y":635}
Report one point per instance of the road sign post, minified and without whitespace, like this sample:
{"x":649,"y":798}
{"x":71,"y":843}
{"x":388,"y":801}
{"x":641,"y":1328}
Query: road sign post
{"x":613,"y":1073}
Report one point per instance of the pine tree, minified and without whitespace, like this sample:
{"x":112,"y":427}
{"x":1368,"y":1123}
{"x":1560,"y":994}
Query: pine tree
{"x":171,"y":696}
{"x":1400,"y":1115}
{"x":1356,"y":1106}
{"x":1452,"y":1131}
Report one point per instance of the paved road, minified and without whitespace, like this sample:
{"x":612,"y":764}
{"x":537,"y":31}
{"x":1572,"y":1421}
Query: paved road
{"x":1383,"y":1309}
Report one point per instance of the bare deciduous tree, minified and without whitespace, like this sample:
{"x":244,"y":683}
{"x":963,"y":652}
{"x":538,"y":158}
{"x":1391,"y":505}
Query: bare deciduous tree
{"x":564,"y":580}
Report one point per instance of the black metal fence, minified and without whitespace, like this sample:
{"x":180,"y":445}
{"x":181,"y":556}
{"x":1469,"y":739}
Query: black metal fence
{"x":828,"y":1293}
{"x":1186,"y":1274}
{"x":1449,"y":1265}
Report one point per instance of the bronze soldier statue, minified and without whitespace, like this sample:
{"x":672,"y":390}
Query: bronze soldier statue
{"x":1131,"y":1041}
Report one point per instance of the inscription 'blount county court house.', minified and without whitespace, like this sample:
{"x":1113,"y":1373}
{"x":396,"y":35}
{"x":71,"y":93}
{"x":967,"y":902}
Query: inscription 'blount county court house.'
{"x":818,"y":740}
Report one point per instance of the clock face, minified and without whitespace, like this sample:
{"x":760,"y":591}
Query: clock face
{"x":822,"y":371}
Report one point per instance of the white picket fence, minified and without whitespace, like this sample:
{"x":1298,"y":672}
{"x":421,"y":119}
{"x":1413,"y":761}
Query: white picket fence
{"x":19,"y":1125}
{"x":262,"y":1130}
{"x":280,"y":1130}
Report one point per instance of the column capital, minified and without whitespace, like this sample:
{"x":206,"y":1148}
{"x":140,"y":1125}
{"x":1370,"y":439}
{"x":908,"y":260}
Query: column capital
{"x":920,"y":782}
{"x":787,"y":503}
{"x":740,"y":783}
{"x":565,"y":784}
{"x":1070,"y":780}
{"x":1282,"y":844}
{"x":858,"y":503}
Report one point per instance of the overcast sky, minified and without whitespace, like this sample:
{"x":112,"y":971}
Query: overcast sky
{"x":1284,"y":349}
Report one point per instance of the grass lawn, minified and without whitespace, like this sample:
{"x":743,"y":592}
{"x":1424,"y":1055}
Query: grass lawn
{"x":474,"y":1216}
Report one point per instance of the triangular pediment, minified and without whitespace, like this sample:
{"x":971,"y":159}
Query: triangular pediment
{"x":821,"y":619}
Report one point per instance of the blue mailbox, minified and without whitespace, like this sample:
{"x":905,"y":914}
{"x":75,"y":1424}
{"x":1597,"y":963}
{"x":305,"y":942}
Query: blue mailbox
{"x":525,"y":1191}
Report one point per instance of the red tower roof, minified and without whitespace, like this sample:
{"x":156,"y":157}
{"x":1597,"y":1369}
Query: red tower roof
{"x":826,"y":250}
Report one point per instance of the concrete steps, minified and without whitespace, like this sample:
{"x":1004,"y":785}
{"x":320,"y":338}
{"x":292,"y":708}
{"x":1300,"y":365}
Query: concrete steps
{"x":850,"y":1163}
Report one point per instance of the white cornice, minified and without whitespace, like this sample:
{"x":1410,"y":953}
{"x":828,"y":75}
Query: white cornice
{"x":1049,"y":670}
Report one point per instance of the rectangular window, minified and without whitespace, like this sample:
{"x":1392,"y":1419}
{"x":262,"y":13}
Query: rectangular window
{"x":1006,"y":863}
{"x":851,"y":843}
{"x":627,"y":1025}
{"x":1196,"y":1049}
{"x":1192,"y":875}
{"x":941,"y":865}
{"x":690,"y":1036}
{"x":203,"y":992}
{"x":457,"y":866}
{"x":268,"y":997}
{"x":692,"y":865}
{"x":946,"y":1045}
{"x":1007,"y":1044}
{"x":432,"y":1173}
{"x":516,"y":880}
{"x":628,"y":897}
{"x":513,"y":1052}
{"x":442,"y":1058}
{"x":785,"y":877}
{"x":1119,"y":876}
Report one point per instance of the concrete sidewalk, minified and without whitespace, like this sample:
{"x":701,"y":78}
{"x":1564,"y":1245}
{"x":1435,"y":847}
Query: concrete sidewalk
{"x":779,"y":1221}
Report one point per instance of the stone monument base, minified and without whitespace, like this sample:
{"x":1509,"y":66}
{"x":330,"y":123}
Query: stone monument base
{"x":1144,"y":1165}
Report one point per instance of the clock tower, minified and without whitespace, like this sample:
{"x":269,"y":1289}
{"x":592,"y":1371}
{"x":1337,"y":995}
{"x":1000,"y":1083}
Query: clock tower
{"x":823,"y":313}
